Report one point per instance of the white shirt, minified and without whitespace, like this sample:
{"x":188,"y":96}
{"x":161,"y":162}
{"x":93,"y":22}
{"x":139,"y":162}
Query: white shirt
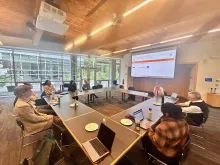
{"x":159,"y":92}
{"x":192,"y":108}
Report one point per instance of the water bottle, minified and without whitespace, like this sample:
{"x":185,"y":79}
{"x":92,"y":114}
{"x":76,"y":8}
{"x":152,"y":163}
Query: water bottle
{"x":150,"y":114}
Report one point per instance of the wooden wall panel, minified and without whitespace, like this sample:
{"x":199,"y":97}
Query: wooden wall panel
{"x":179,"y":85}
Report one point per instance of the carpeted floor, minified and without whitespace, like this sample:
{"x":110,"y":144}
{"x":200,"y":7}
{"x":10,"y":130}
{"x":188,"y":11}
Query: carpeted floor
{"x":10,"y":132}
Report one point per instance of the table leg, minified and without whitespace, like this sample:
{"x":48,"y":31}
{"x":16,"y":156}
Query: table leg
{"x":106,"y":95}
{"x":88,"y":99}
{"x":93,"y":98}
{"x":110,"y":94}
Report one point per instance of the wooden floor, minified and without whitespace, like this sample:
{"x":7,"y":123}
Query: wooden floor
{"x":202,"y":151}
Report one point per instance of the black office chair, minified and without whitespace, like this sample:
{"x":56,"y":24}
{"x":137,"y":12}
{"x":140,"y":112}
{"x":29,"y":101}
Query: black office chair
{"x":131,"y":97}
{"x":65,"y":85}
{"x":43,"y":94}
{"x":197,"y":121}
{"x":121,"y":86}
{"x":100,"y":86}
{"x":15,"y":101}
{"x":178,"y":159}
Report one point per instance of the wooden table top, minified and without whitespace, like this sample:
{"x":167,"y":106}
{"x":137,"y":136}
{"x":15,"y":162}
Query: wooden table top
{"x":124,"y":138}
{"x":65,"y":112}
{"x":156,"y":112}
{"x":93,"y":91}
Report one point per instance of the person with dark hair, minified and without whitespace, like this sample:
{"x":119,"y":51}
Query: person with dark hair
{"x":73,"y":88}
{"x":32,"y":120}
{"x":166,"y":137}
{"x":49,"y":88}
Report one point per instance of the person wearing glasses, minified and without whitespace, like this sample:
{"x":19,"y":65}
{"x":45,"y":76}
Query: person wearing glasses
{"x":26,"y":112}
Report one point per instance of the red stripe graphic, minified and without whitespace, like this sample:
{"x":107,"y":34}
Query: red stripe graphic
{"x":156,"y":60}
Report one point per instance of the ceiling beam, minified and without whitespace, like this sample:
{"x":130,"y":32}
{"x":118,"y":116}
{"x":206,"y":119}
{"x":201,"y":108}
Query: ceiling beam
{"x":37,"y":33}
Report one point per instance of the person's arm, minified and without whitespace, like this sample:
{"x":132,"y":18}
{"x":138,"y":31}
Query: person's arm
{"x":154,"y":91}
{"x":186,"y":104}
{"x":158,"y":137}
{"x":191,"y":109}
{"x":28,"y":114}
{"x":161,"y":91}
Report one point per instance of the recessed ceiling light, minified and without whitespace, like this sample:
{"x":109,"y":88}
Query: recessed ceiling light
{"x":69,"y":46}
{"x":141,"y":46}
{"x":214,"y":30}
{"x":176,"y":39}
{"x":80,"y":40}
{"x":119,"y":51}
{"x":136,"y":8}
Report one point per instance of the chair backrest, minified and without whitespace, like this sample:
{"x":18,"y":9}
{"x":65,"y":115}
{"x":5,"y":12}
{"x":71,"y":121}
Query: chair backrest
{"x":185,"y":149}
{"x":66,"y":85}
{"x":197,"y":118}
{"x":131,"y":88}
{"x":16,"y":98}
{"x":20,"y":124}
{"x":95,"y":87}
{"x":43,"y":94}
{"x":100,"y":86}
{"x":121,"y":86}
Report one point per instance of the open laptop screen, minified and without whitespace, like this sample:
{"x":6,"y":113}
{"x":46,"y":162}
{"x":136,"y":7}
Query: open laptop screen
{"x":106,"y":136}
{"x":138,"y":115}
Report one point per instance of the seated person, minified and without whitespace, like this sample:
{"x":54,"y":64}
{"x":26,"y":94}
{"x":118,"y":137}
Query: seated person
{"x":34,"y":98}
{"x":115,"y":84}
{"x":49,"y":88}
{"x":86,"y":86}
{"x":24,"y":111}
{"x":73,"y":88}
{"x":166,"y":137}
{"x":195,"y":105}
{"x":158,"y":90}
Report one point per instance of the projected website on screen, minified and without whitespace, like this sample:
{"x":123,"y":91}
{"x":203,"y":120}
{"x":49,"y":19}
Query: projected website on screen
{"x":156,"y":64}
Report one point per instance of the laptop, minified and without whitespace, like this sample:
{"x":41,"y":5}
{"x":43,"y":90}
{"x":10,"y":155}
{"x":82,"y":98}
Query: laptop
{"x":100,"y":146}
{"x":139,"y":116}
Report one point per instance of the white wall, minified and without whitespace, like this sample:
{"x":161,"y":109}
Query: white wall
{"x":125,"y":63}
{"x":200,"y":53}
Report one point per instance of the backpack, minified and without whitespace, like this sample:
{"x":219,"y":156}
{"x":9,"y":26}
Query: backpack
{"x":45,"y":151}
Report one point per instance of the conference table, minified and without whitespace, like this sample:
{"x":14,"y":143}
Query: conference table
{"x":136,"y":93}
{"x":75,"y":120}
{"x":94,"y":91}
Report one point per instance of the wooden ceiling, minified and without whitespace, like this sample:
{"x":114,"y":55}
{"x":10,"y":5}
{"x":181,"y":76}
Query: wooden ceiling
{"x":159,"y":20}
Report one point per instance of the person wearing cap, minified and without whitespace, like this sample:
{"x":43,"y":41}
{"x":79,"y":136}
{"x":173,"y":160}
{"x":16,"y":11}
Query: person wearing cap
{"x":166,"y":137}
{"x":49,"y":88}
{"x":24,"y":111}
{"x":158,"y":90}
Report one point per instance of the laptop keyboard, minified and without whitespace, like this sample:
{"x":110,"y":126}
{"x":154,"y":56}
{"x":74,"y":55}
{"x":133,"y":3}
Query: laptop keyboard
{"x":98,"y":146}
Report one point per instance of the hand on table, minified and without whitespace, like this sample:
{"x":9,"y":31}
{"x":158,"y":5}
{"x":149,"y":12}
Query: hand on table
{"x":148,"y":126}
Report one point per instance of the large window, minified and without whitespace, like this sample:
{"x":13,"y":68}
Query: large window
{"x":22,"y":65}
{"x":6,"y":70}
